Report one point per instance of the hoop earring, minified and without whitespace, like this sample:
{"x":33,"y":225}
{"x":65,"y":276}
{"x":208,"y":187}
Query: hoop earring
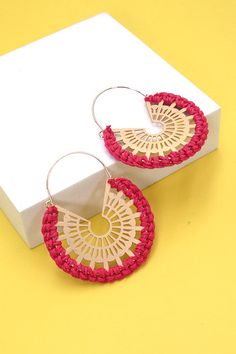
{"x":183,"y":132}
{"x":80,"y":252}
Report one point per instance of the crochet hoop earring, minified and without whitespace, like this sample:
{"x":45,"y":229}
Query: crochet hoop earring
{"x":183,"y":131}
{"x":82,"y":253}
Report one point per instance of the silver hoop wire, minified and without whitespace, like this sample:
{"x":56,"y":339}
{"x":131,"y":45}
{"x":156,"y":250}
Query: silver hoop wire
{"x":61,"y":158}
{"x":108,"y":89}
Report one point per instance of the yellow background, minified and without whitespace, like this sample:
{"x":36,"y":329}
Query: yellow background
{"x":184,"y":299}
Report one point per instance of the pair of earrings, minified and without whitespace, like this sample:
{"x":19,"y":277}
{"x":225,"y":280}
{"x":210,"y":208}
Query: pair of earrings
{"x":69,"y":238}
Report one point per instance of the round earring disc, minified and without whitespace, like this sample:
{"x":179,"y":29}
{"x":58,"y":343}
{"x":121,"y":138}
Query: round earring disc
{"x":76,"y":249}
{"x":182,"y":132}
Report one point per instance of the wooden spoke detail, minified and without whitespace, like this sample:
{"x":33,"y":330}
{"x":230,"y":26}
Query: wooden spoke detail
{"x":107,"y":249}
{"x":176,"y":129}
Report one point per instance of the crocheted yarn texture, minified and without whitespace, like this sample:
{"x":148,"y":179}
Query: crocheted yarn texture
{"x":174,"y":157}
{"x":78,"y":270}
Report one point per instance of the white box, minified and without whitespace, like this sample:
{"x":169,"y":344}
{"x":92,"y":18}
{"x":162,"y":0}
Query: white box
{"x":46,"y":91}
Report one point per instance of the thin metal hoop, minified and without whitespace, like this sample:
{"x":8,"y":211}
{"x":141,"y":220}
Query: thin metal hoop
{"x":61,"y":158}
{"x":108,"y":89}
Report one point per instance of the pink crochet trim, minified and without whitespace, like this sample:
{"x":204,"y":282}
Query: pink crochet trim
{"x":193,"y":146}
{"x":71,"y":266}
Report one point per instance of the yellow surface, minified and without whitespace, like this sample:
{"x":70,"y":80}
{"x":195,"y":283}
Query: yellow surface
{"x":184,"y":299}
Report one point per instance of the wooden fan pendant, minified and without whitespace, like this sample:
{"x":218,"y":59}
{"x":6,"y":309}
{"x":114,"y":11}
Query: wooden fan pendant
{"x":176,"y":129}
{"x":110,"y":256}
{"x":183,"y":131}
{"x":114,"y":245}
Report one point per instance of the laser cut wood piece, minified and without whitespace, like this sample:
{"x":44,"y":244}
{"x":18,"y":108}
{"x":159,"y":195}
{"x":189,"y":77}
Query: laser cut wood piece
{"x":177,"y":128}
{"x":114,"y":245}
